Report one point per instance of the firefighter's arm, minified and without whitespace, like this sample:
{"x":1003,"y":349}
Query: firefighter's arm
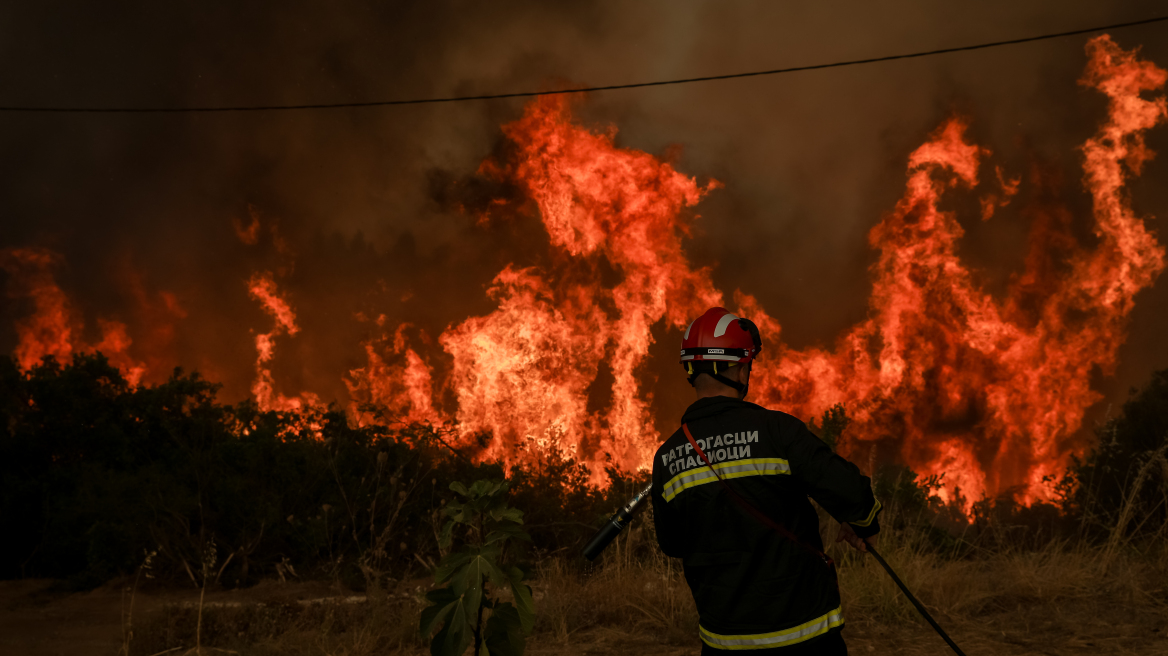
{"x":666,"y":524}
{"x":833,"y":482}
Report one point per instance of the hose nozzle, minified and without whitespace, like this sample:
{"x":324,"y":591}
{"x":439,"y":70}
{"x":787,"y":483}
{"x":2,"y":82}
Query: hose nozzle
{"x":616,"y":524}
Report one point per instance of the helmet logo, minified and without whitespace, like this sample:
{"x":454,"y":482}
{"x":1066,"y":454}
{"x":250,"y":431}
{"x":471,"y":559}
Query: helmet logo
{"x":714,"y":350}
{"x":723,"y":324}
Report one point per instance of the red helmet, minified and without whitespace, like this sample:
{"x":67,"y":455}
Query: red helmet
{"x":720,"y":336}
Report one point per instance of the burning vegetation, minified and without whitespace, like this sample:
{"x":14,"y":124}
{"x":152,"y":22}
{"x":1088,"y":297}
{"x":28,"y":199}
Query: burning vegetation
{"x":986,"y":392}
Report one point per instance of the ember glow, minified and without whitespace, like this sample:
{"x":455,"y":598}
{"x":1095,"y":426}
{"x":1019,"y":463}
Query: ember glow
{"x":989,"y":392}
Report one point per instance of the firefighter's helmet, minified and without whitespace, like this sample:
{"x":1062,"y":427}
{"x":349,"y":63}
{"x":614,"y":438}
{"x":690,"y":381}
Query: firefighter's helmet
{"x":719,"y":340}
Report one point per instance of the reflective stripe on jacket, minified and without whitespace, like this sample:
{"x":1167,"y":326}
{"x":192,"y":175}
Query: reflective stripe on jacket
{"x":791,"y":636}
{"x":753,"y":588}
{"x":727,"y":470}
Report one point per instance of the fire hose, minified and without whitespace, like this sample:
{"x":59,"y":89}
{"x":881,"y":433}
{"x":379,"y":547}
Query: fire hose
{"x":920,"y":607}
{"x":617,"y":523}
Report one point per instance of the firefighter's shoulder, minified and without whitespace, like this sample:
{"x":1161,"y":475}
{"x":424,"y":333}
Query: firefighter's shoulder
{"x":778,"y":424}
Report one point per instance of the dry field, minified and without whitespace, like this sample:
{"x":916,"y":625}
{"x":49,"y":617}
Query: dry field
{"x":1058,"y":600}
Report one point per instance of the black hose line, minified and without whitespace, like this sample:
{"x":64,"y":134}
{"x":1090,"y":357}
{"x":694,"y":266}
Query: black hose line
{"x":924,"y":613}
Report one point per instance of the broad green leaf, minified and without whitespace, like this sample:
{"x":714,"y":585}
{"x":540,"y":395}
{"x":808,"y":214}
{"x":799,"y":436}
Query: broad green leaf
{"x":504,"y":632}
{"x":444,"y":601}
{"x":505,"y":531}
{"x":523,"y":601}
{"x":496,"y":506}
{"x":479,"y":488}
{"x":496,"y":575}
{"x":468,"y":580}
{"x":468,"y":583}
{"x":459,"y":488}
{"x":446,"y":535}
{"x":499,"y":513}
{"x":513,"y":514}
{"x":459,"y":512}
{"x":450,"y":565}
{"x":455,"y":635}
{"x":491,"y":550}
{"x":516,"y":574}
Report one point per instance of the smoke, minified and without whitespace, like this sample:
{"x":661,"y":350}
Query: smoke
{"x":371,"y":212}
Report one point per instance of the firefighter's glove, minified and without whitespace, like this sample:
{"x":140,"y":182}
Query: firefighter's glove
{"x":846,"y":534}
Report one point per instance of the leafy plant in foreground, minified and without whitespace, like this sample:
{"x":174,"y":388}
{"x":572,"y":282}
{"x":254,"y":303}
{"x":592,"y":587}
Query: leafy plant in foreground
{"x":459,"y":606}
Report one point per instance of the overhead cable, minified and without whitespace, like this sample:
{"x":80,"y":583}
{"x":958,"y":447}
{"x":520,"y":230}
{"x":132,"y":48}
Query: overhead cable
{"x":530,"y":94}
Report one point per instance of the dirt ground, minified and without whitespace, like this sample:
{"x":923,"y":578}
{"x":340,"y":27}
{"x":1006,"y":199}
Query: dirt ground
{"x":37,"y":619}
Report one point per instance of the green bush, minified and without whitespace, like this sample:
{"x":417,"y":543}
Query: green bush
{"x":94,"y":473}
{"x":1122,"y":483}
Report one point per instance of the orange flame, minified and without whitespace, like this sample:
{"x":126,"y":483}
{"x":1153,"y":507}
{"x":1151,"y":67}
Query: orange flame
{"x":523,"y":372}
{"x":403,"y":385}
{"x":263,"y":288}
{"x":52,"y":330}
{"x":49,"y":331}
{"x":989,"y":393}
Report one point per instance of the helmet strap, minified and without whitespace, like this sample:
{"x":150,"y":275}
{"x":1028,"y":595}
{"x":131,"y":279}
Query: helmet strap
{"x":733,"y":384}
{"x":739,"y":387}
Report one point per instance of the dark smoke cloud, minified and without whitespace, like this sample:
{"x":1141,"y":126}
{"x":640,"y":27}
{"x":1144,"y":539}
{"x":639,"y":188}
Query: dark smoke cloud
{"x":378,"y":208}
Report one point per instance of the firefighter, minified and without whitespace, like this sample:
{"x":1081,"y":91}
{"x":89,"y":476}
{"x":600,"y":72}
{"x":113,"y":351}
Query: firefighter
{"x":730,"y":499}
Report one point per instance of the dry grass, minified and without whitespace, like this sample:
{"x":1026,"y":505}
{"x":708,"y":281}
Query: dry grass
{"x":637,"y":598}
{"x":980,"y":586}
{"x":334,"y":628}
{"x":1062,"y":599}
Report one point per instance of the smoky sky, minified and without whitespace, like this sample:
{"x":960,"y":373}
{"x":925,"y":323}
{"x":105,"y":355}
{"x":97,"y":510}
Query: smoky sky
{"x":365,"y":210}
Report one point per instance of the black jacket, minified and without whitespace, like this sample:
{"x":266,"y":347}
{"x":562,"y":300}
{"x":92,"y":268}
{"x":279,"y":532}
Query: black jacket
{"x":754,"y":588}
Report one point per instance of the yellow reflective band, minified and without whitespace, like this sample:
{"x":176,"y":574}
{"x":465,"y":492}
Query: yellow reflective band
{"x":729,"y":469}
{"x":791,"y":636}
{"x":871,"y":516}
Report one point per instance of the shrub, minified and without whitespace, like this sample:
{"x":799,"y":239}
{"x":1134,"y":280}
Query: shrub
{"x":476,"y":574}
{"x":1122,"y":484}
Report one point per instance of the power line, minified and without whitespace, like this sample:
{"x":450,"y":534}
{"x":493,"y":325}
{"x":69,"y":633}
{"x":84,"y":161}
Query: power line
{"x":530,"y":94}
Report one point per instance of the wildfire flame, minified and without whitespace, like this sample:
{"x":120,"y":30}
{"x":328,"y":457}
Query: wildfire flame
{"x":990,"y":392}
{"x":53,"y":329}
{"x":407,"y":386}
{"x":263,"y":289}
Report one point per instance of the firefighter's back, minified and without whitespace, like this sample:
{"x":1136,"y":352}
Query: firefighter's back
{"x":755,"y":588}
